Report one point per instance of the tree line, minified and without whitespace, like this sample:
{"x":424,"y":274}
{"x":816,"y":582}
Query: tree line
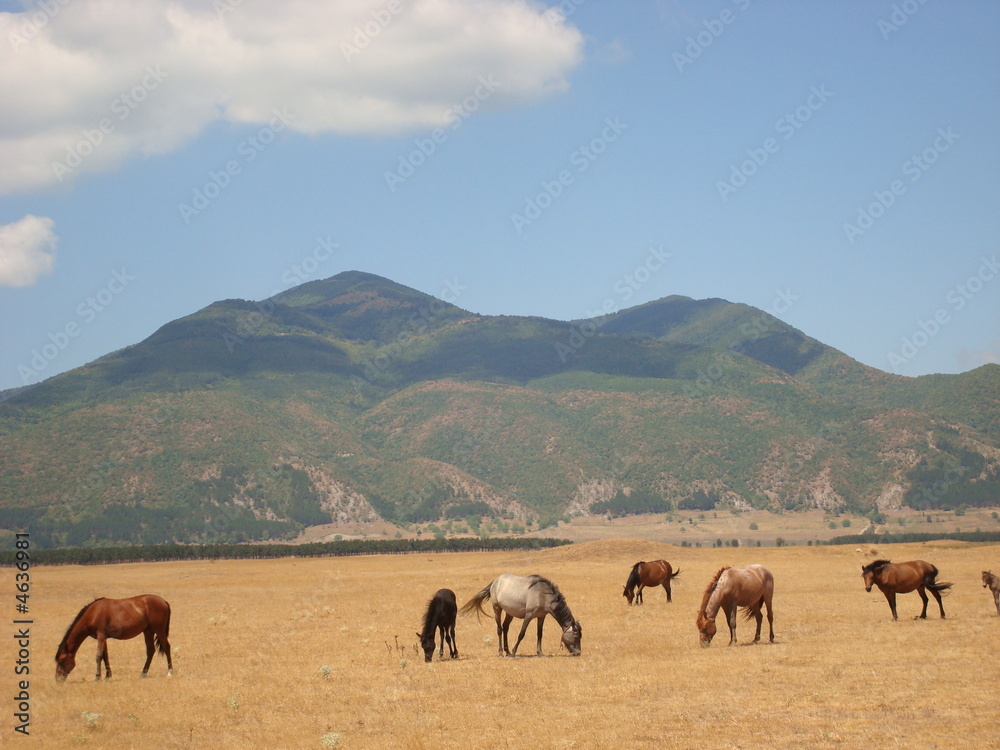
{"x":346,"y":547}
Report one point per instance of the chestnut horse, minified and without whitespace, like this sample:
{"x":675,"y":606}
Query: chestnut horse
{"x":655,"y":573}
{"x":993,"y":582}
{"x":440,"y":615}
{"x":750,"y":588}
{"x":116,"y":618}
{"x":902,"y":578}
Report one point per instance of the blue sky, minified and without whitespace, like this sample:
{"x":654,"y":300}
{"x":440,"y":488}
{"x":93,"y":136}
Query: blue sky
{"x":835,"y":164}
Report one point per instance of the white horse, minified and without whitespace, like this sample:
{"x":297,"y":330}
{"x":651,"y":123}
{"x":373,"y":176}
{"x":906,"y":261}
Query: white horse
{"x":530,"y":598}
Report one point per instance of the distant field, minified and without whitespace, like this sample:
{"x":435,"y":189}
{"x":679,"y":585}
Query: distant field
{"x":800,"y":527}
{"x":251,"y":640}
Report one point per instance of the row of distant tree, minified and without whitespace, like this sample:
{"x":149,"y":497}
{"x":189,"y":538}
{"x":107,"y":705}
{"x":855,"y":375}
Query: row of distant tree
{"x":165,"y":552}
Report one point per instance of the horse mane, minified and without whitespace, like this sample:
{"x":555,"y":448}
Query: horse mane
{"x":874,"y":565}
{"x":560,"y":609}
{"x":428,"y":629}
{"x":72,"y":625}
{"x":710,"y":589}
{"x":633,"y":577}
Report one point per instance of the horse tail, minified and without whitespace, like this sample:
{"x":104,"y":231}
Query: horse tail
{"x":166,"y":632}
{"x":748,"y":611}
{"x":932,"y":585}
{"x":475,"y":604}
{"x":675,"y":574}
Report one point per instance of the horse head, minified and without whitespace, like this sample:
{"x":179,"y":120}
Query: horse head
{"x":706,"y":629}
{"x":571,"y":637}
{"x":987,"y":575}
{"x":65,"y":662}
{"x":872,"y":573}
{"x":628,"y":593}
{"x":427,"y":644}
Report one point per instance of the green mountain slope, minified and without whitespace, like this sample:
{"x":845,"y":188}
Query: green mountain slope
{"x":355,"y":398}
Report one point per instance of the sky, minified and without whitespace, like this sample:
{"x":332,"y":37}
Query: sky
{"x":835,"y":164}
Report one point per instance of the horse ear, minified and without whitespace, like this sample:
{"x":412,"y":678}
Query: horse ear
{"x":418,"y":635}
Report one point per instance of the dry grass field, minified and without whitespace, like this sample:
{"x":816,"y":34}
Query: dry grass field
{"x":322,"y":653}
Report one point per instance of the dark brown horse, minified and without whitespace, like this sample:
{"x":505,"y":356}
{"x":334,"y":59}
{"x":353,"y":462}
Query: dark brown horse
{"x":440,"y":615}
{"x":655,"y":573}
{"x":993,"y":582}
{"x":902,"y":578}
{"x":749,"y":588}
{"x":117,"y":618}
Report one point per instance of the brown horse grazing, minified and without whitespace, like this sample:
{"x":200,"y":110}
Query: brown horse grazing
{"x":440,"y":615}
{"x":750,"y":587}
{"x":117,"y":618}
{"x":994,"y":584}
{"x":902,"y":578}
{"x":655,"y":573}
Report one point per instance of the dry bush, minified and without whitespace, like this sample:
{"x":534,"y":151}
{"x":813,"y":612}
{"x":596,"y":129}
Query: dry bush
{"x":251,"y":640}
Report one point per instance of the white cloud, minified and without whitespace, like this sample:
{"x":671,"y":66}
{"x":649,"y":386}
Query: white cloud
{"x":23,"y":246}
{"x":95,"y":82}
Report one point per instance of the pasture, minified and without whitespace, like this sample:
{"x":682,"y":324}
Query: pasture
{"x":316,"y":653}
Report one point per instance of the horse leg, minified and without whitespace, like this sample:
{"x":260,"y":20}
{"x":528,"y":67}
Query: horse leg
{"x":758,"y":615}
{"x":666,"y":587}
{"x":538,"y":648}
{"x":638,"y":594}
{"x":731,"y":618}
{"x":102,"y":654}
{"x":501,"y":633}
{"x":996,"y":600}
{"x":770,"y":620}
{"x":940,"y":603}
{"x":890,"y":596}
{"x":452,"y":644}
{"x":524,"y":627}
{"x":923,"y":598}
{"x":150,"y":649}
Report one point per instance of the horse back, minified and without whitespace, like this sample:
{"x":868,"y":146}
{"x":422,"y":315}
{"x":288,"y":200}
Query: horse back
{"x":750,"y":584}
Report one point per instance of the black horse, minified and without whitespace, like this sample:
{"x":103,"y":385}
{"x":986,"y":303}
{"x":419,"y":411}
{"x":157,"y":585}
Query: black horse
{"x":440,"y":615}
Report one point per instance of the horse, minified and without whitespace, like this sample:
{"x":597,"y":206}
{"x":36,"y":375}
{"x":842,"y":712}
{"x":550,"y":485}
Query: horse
{"x":116,"y":618}
{"x":993,"y":581}
{"x":749,"y":588}
{"x":440,"y":615}
{"x":656,"y":573}
{"x":902,"y":578}
{"x":532,"y":598}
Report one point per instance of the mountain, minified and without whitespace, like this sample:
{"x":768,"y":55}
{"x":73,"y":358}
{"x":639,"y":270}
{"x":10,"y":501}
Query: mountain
{"x":354,"y":399}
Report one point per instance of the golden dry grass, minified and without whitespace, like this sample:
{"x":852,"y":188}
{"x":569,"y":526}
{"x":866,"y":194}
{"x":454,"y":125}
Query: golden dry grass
{"x":251,"y":639}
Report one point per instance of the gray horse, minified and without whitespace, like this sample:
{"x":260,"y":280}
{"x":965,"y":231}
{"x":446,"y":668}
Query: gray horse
{"x":530,"y":598}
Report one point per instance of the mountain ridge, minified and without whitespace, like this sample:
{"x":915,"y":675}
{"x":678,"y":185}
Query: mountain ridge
{"x":355,"y":397}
